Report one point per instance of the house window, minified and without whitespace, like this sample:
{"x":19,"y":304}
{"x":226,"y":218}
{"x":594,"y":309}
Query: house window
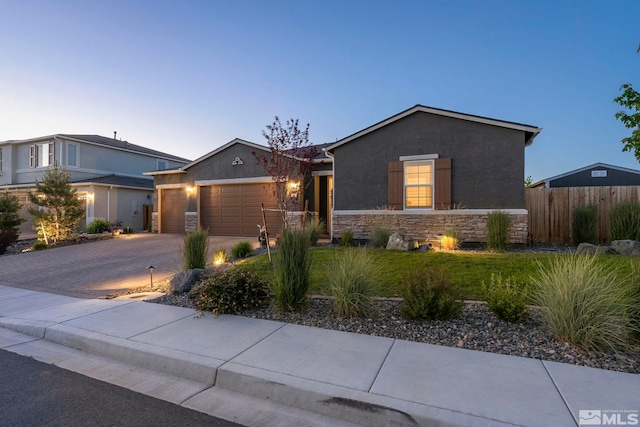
{"x":41,"y":155}
{"x":598,"y":174}
{"x":418,"y":184}
{"x":162,"y":165}
{"x":72,"y":155}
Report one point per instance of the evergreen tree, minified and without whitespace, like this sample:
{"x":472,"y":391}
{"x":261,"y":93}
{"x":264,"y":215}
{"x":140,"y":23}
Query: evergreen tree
{"x":9,"y":221}
{"x":60,"y":208}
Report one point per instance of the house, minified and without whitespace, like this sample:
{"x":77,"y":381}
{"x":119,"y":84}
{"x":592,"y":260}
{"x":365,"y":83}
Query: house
{"x":426,"y":170}
{"x":224,"y":191}
{"x":595,"y":175}
{"x":419,"y":172}
{"x":106,"y":172}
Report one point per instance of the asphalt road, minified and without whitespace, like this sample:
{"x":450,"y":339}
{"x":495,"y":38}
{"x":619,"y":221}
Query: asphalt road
{"x":99,"y":268}
{"x":33,"y":393}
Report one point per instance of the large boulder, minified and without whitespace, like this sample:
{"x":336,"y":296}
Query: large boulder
{"x":184,"y":281}
{"x":626,"y":247}
{"x":398,"y":242}
{"x":588,"y":248}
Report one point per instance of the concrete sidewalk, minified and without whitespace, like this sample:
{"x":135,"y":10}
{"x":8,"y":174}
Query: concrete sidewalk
{"x":259,"y":372}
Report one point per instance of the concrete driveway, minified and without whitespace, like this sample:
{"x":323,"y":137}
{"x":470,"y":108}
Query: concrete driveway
{"x":95,"y":269}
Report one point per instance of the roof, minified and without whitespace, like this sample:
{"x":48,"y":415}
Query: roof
{"x":530,"y":131}
{"x":107,"y":142}
{"x":119,"y":181}
{"x":546,"y":181}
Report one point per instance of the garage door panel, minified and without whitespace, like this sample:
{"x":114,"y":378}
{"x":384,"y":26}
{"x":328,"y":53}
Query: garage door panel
{"x":235,"y":210}
{"x":173,"y":206}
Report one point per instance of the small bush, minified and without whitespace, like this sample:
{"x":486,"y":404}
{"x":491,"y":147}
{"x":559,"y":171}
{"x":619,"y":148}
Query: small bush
{"x":624,"y":220}
{"x":195,"y":249}
{"x":292,"y":262}
{"x":230,"y":292}
{"x":497,"y":231}
{"x":128,"y":230}
{"x":315,"y":228}
{"x":584,"y":226}
{"x":506,"y":298}
{"x":98,"y":226}
{"x":242,"y":249}
{"x":429,"y":294}
{"x":7,"y":238}
{"x":351,"y":279}
{"x":450,"y":240}
{"x":586,"y":303}
{"x":38,"y":246}
{"x":380,"y":237}
{"x":219,"y":256}
{"x":346,"y":239}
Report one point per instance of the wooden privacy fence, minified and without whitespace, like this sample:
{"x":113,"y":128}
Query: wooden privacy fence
{"x":551,"y":209}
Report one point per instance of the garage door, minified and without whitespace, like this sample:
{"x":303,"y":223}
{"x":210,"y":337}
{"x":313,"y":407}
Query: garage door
{"x":173,"y":205}
{"x":235,"y":210}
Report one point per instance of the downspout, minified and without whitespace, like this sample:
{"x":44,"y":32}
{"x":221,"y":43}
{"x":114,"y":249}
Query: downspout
{"x":333,"y":190}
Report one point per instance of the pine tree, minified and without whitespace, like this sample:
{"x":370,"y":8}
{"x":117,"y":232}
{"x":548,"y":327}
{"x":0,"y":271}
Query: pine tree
{"x":9,"y":221}
{"x":60,"y":208}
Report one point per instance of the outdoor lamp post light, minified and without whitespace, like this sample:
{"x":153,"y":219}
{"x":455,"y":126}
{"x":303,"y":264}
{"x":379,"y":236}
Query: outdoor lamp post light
{"x":150,"y":268}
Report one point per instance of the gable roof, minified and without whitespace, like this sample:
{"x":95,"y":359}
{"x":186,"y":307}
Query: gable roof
{"x":546,"y":181}
{"x":530,"y":131}
{"x":106,"y":142}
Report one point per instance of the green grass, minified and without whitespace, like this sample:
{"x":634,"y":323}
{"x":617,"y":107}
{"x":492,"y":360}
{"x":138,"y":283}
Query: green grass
{"x":467,"y":270}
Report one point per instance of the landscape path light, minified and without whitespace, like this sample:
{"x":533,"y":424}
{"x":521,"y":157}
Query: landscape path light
{"x":150,"y":268}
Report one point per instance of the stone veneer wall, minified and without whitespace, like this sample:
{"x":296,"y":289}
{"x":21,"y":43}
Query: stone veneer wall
{"x":190,"y":221}
{"x":154,"y":222}
{"x":470,"y":224}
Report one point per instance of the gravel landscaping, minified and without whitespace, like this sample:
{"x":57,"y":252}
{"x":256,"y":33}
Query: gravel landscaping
{"x":475,"y":329}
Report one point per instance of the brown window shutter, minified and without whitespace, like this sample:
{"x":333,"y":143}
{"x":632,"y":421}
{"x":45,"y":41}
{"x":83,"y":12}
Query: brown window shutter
{"x":442,"y":184}
{"x":395,"y":185}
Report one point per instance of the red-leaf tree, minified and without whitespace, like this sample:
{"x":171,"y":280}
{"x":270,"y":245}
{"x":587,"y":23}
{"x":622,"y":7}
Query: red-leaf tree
{"x":289,"y":163}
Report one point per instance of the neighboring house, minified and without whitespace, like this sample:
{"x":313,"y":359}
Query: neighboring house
{"x":426,"y":170}
{"x":420,"y":172}
{"x":596,"y":175}
{"x":107,"y":173}
{"x":224,"y":191}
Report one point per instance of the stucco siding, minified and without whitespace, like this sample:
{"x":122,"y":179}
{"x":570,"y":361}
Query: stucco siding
{"x":487,"y":161}
{"x":220,"y":165}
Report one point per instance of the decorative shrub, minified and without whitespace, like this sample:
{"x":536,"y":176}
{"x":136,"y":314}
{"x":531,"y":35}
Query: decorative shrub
{"x":38,"y":246}
{"x":497,"y":231}
{"x":128,"y":230}
{"x":585,"y":302}
{"x":346,"y":239}
{"x":380,"y":237}
{"x":584,"y":226}
{"x":7,"y":238}
{"x":351,"y":282}
{"x":506,"y":298}
{"x":242,"y":249}
{"x":316,"y":227}
{"x":219,"y":256}
{"x":450,"y":240}
{"x":98,"y":226}
{"x":292,"y":262}
{"x":429,"y":294}
{"x":195,"y":249}
{"x":230,"y":292}
{"x":624,"y":220}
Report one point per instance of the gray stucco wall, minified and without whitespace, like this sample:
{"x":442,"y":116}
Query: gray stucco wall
{"x":220,"y":165}
{"x":487,"y":162}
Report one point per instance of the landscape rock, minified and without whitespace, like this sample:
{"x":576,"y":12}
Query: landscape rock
{"x":588,"y":248}
{"x":398,"y":242}
{"x":184,"y":281}
{"x":626,"y":247}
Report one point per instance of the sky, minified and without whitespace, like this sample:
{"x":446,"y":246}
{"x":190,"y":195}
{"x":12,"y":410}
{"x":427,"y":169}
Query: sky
{"x":186,"y":77}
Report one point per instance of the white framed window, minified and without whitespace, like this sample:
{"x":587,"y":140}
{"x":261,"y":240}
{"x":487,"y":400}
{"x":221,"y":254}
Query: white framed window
{"x":72,"y":155}
{"x":599,"y":173}
{"x":418,"y":184}
{"x":41,"y":155}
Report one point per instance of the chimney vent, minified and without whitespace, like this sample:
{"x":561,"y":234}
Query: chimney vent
{"x":115,"y":132}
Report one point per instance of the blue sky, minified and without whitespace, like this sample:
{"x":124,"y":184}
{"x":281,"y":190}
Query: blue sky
{"x":185,"y":77}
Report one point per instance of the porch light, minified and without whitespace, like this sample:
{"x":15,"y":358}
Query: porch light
{"x":190,"y":190}
{"x":89,"y":196}
{"x":293,"y":189}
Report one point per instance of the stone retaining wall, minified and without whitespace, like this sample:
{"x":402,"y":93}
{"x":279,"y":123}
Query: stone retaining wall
{"x":470,"y":224}
{"x":190,"y":221}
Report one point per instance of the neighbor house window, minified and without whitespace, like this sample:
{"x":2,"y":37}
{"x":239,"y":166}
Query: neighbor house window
{"x":418,"y":184}
{"x":41,"y":155}
{"x":162,"y":165}
{"x":72,"y":155}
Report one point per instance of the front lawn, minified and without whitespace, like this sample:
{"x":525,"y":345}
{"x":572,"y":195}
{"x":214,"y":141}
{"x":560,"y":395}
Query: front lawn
{"x":465,"y":268}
